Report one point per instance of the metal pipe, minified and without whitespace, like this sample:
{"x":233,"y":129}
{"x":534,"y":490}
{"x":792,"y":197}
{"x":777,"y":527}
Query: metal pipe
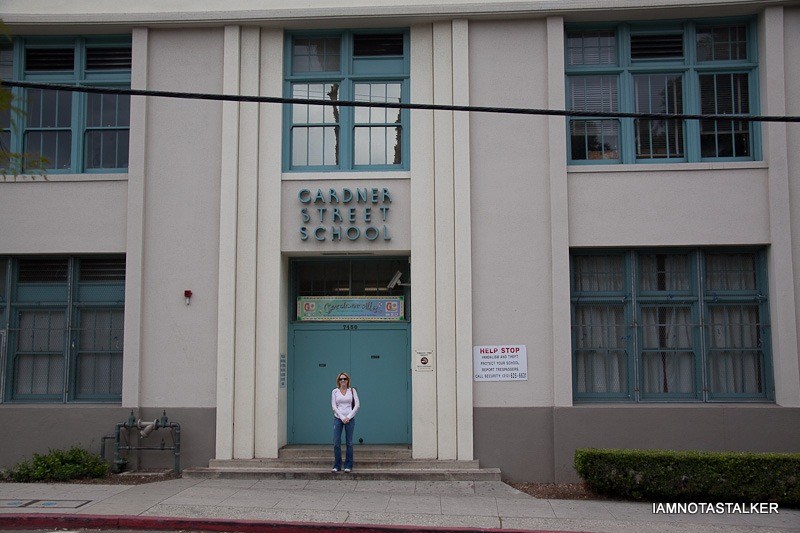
{"x":145,"y":429}
{"x":103,"y":445}
{"x":176,"y":438}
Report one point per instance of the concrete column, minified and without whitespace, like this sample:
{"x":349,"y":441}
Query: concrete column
{"x":271,"y":313}
{"x":463,"y":242}
{"x":445,"y":245}
{"x":423,"y":246}
{"x":781,"y":262}
{"x":246,"y":227}
{"x":559,"y":217}
{"x":134,"y":256}
{"x":226,"y":310}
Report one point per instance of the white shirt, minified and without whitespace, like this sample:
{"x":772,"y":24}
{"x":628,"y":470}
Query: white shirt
{"x":342,"y":404}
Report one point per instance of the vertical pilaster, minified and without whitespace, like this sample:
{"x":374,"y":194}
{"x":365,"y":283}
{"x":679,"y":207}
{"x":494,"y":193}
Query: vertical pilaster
{"x":270,"y":301}
{"x":423,"y":246}
{"x":246,"y":237}
{"x":559,"y":217}
{"x":445,"y":245}
{"x":783,"y":310}
{"x":226,"y":310}
{"x":463,"y":243}
{"x":134,"y":256}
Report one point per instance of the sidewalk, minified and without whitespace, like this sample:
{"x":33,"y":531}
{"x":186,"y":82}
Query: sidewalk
{"x":471,"y":504}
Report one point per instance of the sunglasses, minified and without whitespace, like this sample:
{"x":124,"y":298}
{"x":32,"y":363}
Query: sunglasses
{"x":343,"y":379}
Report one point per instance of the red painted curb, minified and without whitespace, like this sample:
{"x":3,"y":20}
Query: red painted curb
{"x":50,"y":520}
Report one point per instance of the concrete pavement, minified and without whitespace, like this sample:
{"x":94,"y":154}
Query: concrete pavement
{"x":448,"y":504}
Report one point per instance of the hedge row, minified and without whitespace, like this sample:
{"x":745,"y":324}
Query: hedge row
{"x":663,"y":475}
{"x":58,"y":465}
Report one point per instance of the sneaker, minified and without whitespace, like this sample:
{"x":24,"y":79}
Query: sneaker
{"x":347,"y":470}
{"x":334,"y":469}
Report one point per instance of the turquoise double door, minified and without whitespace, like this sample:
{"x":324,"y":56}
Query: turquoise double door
{"x":377,"y":357}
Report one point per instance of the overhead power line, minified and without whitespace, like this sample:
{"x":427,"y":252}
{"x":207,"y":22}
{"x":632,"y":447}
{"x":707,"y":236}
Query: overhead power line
{"x":395,"y":105}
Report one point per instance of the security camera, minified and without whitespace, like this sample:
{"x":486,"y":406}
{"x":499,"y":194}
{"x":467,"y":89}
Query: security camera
{"x":395,"y":280}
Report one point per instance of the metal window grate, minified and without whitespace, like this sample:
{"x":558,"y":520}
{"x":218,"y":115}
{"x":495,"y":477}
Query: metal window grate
{"x":6,"y":61}
{"x":378,"y":45}
{"x":104,"y":270}
{"x":663,"y":46}
{"x":43,"y":270}
{"x":49,"y":59}
{"x":112,"y":58}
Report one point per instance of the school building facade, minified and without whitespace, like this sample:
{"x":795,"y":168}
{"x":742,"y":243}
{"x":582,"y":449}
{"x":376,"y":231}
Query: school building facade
{"x":501,"y":287}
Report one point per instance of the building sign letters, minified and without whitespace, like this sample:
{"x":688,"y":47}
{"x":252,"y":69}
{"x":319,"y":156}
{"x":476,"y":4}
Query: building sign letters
{"x":347,"y":214}
{"x":504,"y":362}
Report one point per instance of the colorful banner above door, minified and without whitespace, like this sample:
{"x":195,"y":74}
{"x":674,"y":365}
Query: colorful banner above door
{"x":379,"y":308}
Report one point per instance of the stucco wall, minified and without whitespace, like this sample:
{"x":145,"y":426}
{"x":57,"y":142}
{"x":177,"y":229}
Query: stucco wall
{"x":510,"y":205}
{"x":60,"y":217}
{"x":181,"y":221}
{"x":669,"y":207}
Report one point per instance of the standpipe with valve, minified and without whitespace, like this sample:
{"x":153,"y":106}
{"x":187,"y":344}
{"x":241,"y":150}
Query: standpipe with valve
{"x":145,"y":429}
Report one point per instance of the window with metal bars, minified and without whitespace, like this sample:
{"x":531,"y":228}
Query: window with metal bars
{"x":350,"y":65}
{"x":69,"y":132}
{"x":349,"y":277}
{"x":63,"y":322}
{"x":670,"y":325}
{"x":687,"y":67}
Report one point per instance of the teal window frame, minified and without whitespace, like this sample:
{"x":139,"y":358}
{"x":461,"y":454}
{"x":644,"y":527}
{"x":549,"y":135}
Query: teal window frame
{"x":699,"y":299}
{"x":370,"y":70}
{"x":72,"y":297}
{"x":689,"y":67}
{"x":78,"y":75}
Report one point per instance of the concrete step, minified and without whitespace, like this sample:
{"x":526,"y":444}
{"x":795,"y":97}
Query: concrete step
{"x":370,"y":463}
{"x":363,"y":451}
{"x":462,"y":474}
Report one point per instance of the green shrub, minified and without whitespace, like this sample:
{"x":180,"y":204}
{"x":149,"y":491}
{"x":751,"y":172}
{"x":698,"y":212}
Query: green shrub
{"x":662,"y":475}
{"x":59,"y":465}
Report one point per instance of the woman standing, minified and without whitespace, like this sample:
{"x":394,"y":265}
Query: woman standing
{"x":344,"y":402}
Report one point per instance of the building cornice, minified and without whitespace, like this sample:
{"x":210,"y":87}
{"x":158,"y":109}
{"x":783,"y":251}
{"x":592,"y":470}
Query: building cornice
{"x":203,"y":12}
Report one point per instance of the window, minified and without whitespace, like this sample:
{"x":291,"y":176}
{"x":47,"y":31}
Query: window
{"x":680,"y":325}
{"x":669,"y":68}
{"x":348,"y":278}
{"x":356,"y":66}
{"x":73,"y":132}
{"x":63,"y":318}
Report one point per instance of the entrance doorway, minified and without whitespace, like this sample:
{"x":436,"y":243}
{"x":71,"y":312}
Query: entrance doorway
{"x":373,"y":348}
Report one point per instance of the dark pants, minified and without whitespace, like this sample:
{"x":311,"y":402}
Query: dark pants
{"x":338,"y":425}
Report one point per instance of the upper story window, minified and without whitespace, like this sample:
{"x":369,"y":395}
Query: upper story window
{"x":356,"y":66}
{"x":672,"y":68}
{"x":73,"y":132}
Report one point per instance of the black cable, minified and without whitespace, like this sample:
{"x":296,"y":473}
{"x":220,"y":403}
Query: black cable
{"x":391,"y":105}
